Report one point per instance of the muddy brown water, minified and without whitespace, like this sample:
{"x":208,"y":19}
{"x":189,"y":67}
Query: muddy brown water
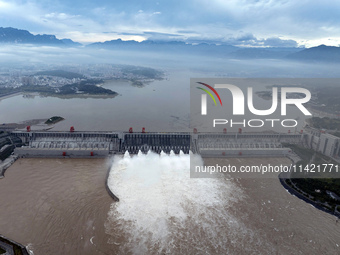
{"x":61,"y":206}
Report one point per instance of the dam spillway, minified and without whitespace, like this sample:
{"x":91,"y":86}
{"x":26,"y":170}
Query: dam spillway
{"x":102,"y":144}
{"x":157,"y":142}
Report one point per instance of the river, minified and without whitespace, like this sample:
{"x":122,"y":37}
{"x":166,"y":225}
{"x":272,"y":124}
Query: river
{"x":61,"y":206}
{"x":158,"y":106}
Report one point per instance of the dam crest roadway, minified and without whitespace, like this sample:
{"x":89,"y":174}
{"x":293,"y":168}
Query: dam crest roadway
{"x":79,"y":144}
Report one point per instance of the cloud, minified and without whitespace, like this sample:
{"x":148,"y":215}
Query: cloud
{"x":281,"y":22}
{"x":246,"y":38}
{"x":60,"y":16}
{"x":186,"y":32}
{"x":277,"y":42}
{"x":157,"y":36}
{"x":249,"y":40}
{"x":10,"y":11}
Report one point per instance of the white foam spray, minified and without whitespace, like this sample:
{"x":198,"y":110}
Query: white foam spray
{"x":163,"y":210}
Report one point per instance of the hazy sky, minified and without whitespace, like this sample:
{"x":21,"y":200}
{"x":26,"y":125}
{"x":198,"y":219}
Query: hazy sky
{"x":239,"y":22}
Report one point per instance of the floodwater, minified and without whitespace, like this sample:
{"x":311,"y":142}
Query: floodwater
{"x":61,"y":206}
{"x":158,"y":106}
{"x":55,"y":206}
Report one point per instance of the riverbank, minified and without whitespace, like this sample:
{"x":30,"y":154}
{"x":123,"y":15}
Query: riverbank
{"x":85,"y":87}
{"x":292,"y":191}
{"x":5,"y":96}
{"x":4,"y":165}
{"x":36,"y":124}
{"x":80,"y":95}
{"x":303,"y":156}
{"x":12,"y":247}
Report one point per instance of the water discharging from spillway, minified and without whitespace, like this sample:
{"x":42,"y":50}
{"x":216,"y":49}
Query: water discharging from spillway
{"x":163,"y":210}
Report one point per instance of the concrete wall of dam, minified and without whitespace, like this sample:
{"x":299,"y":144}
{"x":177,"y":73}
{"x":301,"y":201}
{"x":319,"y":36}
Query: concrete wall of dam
{"x":156,"y":142}
{"x":324,"y":143}
{"x":80,"y":144}
{"x":43,"y":153}
{"x":246,"y":152}
{"x":102,"y":144}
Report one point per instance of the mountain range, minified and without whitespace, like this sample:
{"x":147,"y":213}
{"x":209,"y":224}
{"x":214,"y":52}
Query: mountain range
{"x":18,"y":36}
{"x":320,"y":53}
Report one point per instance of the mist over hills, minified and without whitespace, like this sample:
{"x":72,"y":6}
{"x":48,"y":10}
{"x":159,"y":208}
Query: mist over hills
{"x":264,"y":53}
{"x":19,"y":36}
{"x":166,"y":46}
{"x":320,"y":53}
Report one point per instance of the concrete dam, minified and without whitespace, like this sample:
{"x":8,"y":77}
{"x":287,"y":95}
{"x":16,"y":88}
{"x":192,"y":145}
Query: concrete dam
{"x":101,"y":144}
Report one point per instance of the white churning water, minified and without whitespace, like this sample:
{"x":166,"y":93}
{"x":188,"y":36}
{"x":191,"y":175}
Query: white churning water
{"x":162,"y":209}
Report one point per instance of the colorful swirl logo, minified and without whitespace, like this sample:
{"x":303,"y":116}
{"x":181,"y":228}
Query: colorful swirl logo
{"x":209,"y":93}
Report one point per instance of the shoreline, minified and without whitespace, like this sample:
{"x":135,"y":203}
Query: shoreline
{"x":286,"y":176}
{"x":83,"y":96}
{"x":2,"y":97}
{"x":12,"y":247}
{"x":294,"y":192}
{"x":61,"y":96}
{"x":315,"y":112}
{"x":23,"y":124}
{"x":7,"y":163}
